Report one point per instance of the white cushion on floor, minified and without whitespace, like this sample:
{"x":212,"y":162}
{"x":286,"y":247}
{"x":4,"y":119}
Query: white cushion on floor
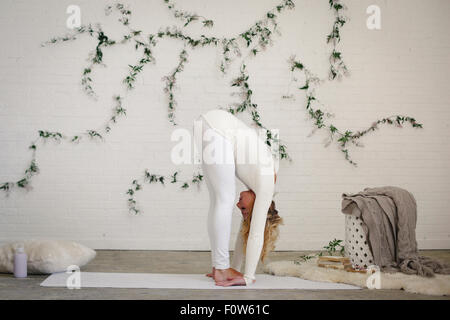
{"x":178,"y":281}
{"x":46,"y":256}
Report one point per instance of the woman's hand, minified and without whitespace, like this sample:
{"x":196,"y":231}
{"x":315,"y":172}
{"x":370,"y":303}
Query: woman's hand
{"x":238,"y":281}
{"x":233,"y":273}
{"x":211,"y":274}
{"x":224,"y":274}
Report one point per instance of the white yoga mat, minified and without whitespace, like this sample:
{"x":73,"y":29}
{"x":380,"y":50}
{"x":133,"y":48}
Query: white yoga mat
{"x":181,"y":281}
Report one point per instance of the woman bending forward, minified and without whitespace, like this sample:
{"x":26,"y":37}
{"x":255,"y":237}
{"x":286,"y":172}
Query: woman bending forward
{"x":232,"y":149}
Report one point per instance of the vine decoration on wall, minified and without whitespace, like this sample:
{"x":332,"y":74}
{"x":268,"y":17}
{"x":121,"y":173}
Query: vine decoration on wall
{"x":258,"y":36}
{"x":342,"y":137}
{"x":337,"y":65}
{"x":338,"y":70}
{"x":171,"y":82}
{"x":188,"y":17}
{"x":155,"y":178}
{"x":247,"y":104}
{"x":257,"y":33}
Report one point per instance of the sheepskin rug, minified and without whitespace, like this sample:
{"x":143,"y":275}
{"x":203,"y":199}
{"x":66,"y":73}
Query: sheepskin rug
{"x":438,"y":285}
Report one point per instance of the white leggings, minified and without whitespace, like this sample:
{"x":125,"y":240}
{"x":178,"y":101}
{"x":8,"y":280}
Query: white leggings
{"x":220,"y":179}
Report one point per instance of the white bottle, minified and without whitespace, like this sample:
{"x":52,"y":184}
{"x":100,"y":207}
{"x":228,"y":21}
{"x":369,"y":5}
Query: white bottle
{"x":20,"y":263}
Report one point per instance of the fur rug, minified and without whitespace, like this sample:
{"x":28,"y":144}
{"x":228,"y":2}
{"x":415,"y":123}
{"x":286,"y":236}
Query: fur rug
{"x":438,"y":285}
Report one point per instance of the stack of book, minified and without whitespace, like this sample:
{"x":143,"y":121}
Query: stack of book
{"x":339,"y":263}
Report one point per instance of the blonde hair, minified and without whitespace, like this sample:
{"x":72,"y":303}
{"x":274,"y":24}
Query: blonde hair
{"x":271,"y":231}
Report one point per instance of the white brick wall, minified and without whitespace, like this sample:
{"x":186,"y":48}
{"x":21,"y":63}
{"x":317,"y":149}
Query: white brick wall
{"x":80,"y":193}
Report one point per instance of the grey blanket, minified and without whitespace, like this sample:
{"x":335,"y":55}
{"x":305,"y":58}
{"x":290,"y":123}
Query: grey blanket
{"x":390,"y":214}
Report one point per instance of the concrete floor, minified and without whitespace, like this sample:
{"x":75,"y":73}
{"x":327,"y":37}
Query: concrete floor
{"x":184,"y":262}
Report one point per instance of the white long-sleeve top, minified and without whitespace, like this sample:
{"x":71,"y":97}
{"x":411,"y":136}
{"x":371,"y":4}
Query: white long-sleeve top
{"x":257,"y":175}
